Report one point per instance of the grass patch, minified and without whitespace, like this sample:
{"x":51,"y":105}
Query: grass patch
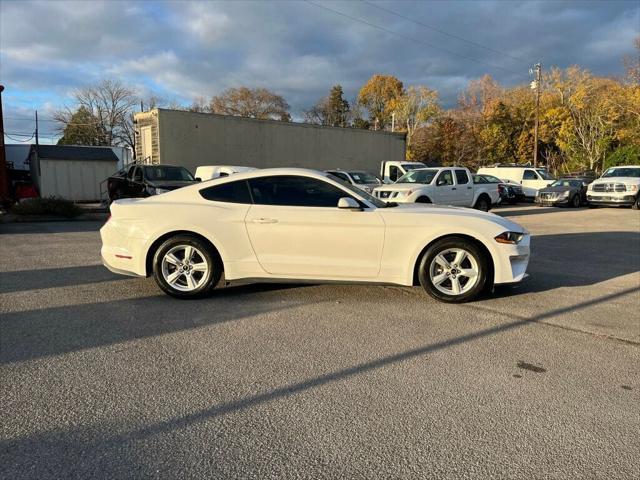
{"x":47,"y":206}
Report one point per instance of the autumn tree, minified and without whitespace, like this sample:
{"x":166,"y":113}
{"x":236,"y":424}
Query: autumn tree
{"x":83,"y":128}
{"x":416,"y":107}
{"x":252,"y":103}
{"x":111,"y":104}
{"x":377,"y":96}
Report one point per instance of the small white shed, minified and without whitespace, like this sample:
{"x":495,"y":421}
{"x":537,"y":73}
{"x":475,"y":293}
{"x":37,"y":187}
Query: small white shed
{"x":70,"y":171}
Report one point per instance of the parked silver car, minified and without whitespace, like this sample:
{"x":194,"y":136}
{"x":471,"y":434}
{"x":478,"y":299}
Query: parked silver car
{"x":358,"y":178}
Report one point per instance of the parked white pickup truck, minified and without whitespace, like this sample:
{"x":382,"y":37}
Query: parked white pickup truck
{"x":442,"y":185}
{"x":616,"y":186}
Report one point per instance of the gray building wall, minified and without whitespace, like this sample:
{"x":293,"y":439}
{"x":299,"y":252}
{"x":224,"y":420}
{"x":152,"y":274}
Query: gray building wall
{"x":194,"y":139}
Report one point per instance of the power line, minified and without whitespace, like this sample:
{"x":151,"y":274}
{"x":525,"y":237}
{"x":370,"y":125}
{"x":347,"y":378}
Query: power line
{"x":471,"y":42}
{"x":406,"y":37}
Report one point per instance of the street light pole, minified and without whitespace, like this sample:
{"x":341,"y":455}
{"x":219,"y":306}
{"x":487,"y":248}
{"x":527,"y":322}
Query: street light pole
{"x":536,"y":84}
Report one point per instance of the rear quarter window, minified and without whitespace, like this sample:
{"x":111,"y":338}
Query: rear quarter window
{"x":232,"y":192}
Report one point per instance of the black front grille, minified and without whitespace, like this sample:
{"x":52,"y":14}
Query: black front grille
{"x":600,"y":187}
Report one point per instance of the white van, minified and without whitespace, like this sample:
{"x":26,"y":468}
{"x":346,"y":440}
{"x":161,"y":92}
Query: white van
{"x":209,"y":172}
{"x":531,"y":178}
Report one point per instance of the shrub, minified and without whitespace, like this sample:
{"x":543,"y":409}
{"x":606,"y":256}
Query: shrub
{"x":629,"y":155}
{"x":47,"y":206}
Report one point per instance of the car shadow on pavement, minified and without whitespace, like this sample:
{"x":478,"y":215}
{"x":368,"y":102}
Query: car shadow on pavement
{"x":86,"y":451}
{"x":506,"y":212}
{"x":43,"y":332}
{"x":20,"y":228}
{"x":21,"y":280}
{"x":579,"y":259}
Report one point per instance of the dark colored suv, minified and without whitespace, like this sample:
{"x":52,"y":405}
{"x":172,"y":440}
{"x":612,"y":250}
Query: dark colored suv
{"x":145,"y":180}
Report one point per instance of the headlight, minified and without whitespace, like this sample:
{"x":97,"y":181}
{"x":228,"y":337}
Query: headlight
{"x":510,"y":238}
{"x":590,"y":187}
{"x":632,"y":188}
{"x":566,"y":194}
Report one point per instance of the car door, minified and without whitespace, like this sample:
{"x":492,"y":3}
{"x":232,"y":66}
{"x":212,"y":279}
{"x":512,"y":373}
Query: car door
{"x":532,"y":182}
{"x":464,"y":186}
{"x":296,"y":229}
{"x":136,"y":183}
{"x":445,"y":191}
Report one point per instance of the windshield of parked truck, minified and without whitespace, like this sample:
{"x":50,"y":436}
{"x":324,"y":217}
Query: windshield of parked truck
{"x":418,"y":176}
{"x":164,"y":173}
{"x":622,"y":172}
{"x":544,"y":174}
{"x":364,"y":178}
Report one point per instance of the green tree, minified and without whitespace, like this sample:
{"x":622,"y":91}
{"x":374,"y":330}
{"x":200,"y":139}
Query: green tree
{"x":331,"y":110}
{"x":83,"y":128}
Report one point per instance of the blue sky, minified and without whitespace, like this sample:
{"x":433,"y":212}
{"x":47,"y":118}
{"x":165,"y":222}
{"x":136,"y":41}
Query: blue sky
{"x":182,"y":50}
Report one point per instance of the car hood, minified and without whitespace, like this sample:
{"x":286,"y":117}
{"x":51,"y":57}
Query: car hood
{"x":428,"y":209}
{"x":171,"y":184}
{"x":559,"y":189}
{"x":400,"y":187}
{"x":629,"y":180}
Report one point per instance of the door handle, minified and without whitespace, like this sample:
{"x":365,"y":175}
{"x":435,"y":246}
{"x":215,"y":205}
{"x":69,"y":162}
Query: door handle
{"x":264,"y":220}
{"x":453,"y":188}
{"x":468,"y":188}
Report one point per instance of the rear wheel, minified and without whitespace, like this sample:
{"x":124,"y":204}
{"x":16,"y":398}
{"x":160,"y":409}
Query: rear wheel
{"x":483,"y":203}
{"x":453,"y":270}
{"x":636,"y":205}
{"x":184,"y":266}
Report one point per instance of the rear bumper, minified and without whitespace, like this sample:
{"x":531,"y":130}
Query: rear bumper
{"x":119,"y":271}
{"x":120,"y":253}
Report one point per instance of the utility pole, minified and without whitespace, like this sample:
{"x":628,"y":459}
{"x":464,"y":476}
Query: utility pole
{"x":4,"y":180}
{"x":536,"y":85}
{"x":393,"y":121}
{"x":37,"y":148}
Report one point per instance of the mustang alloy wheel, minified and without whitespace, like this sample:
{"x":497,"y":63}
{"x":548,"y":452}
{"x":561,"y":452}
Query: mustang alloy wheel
{"x":453,"y":270}
{"x":184,"y":266}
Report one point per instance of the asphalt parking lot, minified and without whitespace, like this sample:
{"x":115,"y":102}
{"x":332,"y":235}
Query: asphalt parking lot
{"x":105,"y":377}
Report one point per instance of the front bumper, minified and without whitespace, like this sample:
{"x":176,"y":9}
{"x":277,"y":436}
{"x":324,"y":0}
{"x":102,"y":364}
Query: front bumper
{"x":552,"y":202}
{"x":610,"y":199}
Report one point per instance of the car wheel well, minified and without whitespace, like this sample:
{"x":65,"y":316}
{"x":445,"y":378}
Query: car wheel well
{"x":160,"y":240}
{"x":490,"y":273}
{"x":423,"y":199}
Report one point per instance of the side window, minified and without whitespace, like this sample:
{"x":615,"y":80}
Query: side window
{"x":394,"y":173}
{"x":529,"y":175}
{"x":130,"y":172}
{"x":461,"y":177}
{"x":445,"y":178}
{"x":232,"y":192}
{"x":295,"y":191}
{"x":137,"y":174}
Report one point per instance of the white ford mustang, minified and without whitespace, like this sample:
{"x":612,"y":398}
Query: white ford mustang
{"x":304,"y":225}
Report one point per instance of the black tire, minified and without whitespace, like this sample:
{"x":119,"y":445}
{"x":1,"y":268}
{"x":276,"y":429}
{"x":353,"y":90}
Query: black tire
{"x":483,"y":203}
{"x":423,"y":200}
{"x":204,"y":250}
{"x":575,"y":201}
{"x":636,"y":205}
{"x":442,"y":247}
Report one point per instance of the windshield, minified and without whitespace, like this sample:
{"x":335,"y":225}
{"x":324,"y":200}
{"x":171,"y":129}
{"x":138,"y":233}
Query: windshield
{"x":168,"y":173}
{"x":565,"y":183}
{"x":544,"y":174}
{"x":622,"y":172}
{"x":409,"y":166}
{"x":364,"y":178}
{"x":360,"y":193}
{"x":492,"y":179}
{"x":418,"y":176}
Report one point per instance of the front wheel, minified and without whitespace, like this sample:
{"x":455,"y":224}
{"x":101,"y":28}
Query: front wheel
{"x":575,"y":201}
{"x":453,"y":270}
{"x":636,"y":205}
{"x":184,"y":266}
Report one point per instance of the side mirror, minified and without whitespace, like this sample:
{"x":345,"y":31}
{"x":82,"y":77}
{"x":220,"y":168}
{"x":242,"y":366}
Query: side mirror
{"x":198,"y":179}
{"x":348,"y":203}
